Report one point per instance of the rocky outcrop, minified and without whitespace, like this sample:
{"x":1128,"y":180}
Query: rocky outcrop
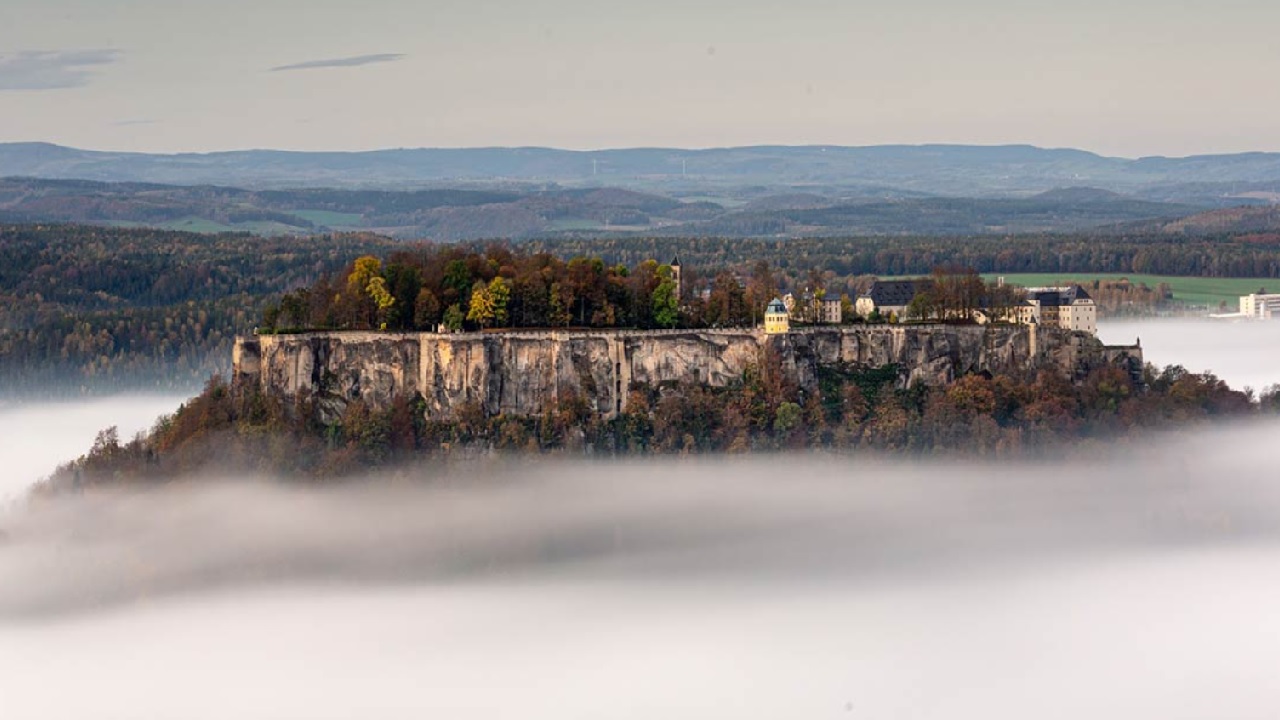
{"x":523,"y":373}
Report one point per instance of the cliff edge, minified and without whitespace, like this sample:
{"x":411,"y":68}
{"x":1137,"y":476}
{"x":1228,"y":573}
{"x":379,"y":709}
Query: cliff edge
{"x":524,"y":373}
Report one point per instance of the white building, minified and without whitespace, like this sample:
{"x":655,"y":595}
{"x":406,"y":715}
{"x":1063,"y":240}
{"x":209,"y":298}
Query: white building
{"x":1259,"y":306}
{"x":1069,"y":308}
{"x":890,"y":297}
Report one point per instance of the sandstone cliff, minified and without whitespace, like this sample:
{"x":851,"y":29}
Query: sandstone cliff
{"x":522,"y":373}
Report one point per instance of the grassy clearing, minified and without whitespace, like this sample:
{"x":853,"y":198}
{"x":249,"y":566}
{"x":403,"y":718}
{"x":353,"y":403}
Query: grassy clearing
{"x":1191,"y":290}
{"x":330,"y":219}
{"x":196,"y":224}
{"x":574,"y":224}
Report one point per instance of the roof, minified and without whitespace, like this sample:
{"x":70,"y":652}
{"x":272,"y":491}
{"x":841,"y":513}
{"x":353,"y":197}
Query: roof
{"x":675,"y":261}
{"x":776,"y":305}
{"x":896,"y":293}
{"x":1057,"y":296}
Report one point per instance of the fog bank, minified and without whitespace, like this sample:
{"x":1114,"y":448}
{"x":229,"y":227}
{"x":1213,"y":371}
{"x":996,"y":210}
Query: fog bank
{"x":1242,"y":353}
{"x":1140,"y":584}
{"x":37,"y":437}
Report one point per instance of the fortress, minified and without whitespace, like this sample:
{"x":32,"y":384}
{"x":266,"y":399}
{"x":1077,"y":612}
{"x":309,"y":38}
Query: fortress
{"x":524,"y":372}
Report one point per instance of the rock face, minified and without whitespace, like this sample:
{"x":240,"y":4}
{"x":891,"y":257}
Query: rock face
{"x":523,"y":373}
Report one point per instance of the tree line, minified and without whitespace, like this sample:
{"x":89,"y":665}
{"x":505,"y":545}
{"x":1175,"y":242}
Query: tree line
{"x":87,"y":309}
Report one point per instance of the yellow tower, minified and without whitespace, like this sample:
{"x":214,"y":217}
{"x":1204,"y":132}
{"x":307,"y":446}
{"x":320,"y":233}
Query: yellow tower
{"x":777,"y":320}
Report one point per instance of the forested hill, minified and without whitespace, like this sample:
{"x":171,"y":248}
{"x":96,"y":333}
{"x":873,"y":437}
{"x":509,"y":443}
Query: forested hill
{"x":1224,"y":256}
{"x":90,"y":309}
{"x":956,"y":170}
{"x":451,"y":214}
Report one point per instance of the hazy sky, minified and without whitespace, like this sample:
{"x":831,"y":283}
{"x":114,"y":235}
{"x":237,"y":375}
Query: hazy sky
{"x":1122,"y":77}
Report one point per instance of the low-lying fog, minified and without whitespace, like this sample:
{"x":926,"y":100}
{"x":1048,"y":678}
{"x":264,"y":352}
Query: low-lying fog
{"x":1243,"y":353}
{"x":1139,"y":584}
{"x":37,"y":437}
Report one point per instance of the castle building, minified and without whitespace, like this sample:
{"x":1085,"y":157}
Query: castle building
{"x":890,"y":297}
{"x":1069,"y":308}
{"x":829,"y":311}
{"x":777,"y":321}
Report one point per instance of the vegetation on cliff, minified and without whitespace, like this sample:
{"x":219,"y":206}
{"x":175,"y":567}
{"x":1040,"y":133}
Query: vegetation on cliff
{"x":855,"y":408}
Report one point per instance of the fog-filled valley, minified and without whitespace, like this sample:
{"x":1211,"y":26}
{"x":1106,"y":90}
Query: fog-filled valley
{"x":784,"y":585}
{"x":1136,"y":582}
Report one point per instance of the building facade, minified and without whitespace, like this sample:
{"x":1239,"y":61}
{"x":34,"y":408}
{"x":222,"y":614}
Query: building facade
{"x":777,"y":320}
{"x":890,"y":297}
{"x":1260,"y":306}
{"x":829,"y":311}
{"x":1069,"y":308}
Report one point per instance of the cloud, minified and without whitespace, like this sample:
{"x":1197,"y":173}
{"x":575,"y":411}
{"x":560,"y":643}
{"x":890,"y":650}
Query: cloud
{"x":357,"y":61}
{"x":51,"y":70}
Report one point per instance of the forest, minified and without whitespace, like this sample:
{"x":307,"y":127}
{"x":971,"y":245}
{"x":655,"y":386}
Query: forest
{"x":87,"y":309}
{"x":1245,"y":255}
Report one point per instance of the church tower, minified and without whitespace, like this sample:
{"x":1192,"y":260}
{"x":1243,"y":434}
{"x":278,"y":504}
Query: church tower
{"x":675,"y":276}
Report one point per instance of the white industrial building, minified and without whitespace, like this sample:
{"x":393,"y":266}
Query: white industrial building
{"x":1260,"y":306}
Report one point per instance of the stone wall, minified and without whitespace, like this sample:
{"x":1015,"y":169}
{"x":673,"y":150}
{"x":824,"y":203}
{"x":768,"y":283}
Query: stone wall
{"x":522,"y":373}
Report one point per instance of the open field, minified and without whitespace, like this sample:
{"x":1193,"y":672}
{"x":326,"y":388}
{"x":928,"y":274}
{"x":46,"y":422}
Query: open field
{"x":329,"y":218}
{"x":1191,"y":290}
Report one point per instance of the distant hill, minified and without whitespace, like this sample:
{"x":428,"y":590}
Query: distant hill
{"x":466,"y":214}
{"x":957,"y":170}
{"x":460,"y":214}
{"x":1264,"y":219}
{"x":443,"y":214}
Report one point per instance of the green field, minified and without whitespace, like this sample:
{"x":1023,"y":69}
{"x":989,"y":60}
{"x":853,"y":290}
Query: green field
{"x":330,"y":219}
{"x":1191,"y":290}
{"x":574,"y":224}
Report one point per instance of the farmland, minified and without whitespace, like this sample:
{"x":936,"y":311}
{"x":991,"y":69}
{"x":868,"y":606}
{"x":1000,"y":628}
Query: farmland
{"x":1190,"y":290}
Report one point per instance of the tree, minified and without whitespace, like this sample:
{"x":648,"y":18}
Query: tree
{"x":762,"y":288}
{"x":481,"y":309}
{"x":457,"y":277}
{"x":787,"y":418}
{"x":382,"y":298}
{"x":362,"y":270}
{"x":426,"y":310}
{"x":453,"y":318}
{"x":559,"y":314}
{"x":499,"y":297}
{"x":666,"y":306}
{"x":404,"y":281}
{"x":921,"y":307}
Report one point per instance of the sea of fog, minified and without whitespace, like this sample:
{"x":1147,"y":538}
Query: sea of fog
{"x":37,"y":437}
{"x":1138,"y":583}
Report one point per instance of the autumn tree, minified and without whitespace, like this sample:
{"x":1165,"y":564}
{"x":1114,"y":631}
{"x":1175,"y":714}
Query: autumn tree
{"x":481,"y":309}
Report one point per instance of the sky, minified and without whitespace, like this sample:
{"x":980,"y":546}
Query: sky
{"x":1120,"y":77}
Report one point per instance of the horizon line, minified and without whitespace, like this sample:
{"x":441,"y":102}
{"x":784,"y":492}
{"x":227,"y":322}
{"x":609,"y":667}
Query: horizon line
{"x":655,"y":148}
